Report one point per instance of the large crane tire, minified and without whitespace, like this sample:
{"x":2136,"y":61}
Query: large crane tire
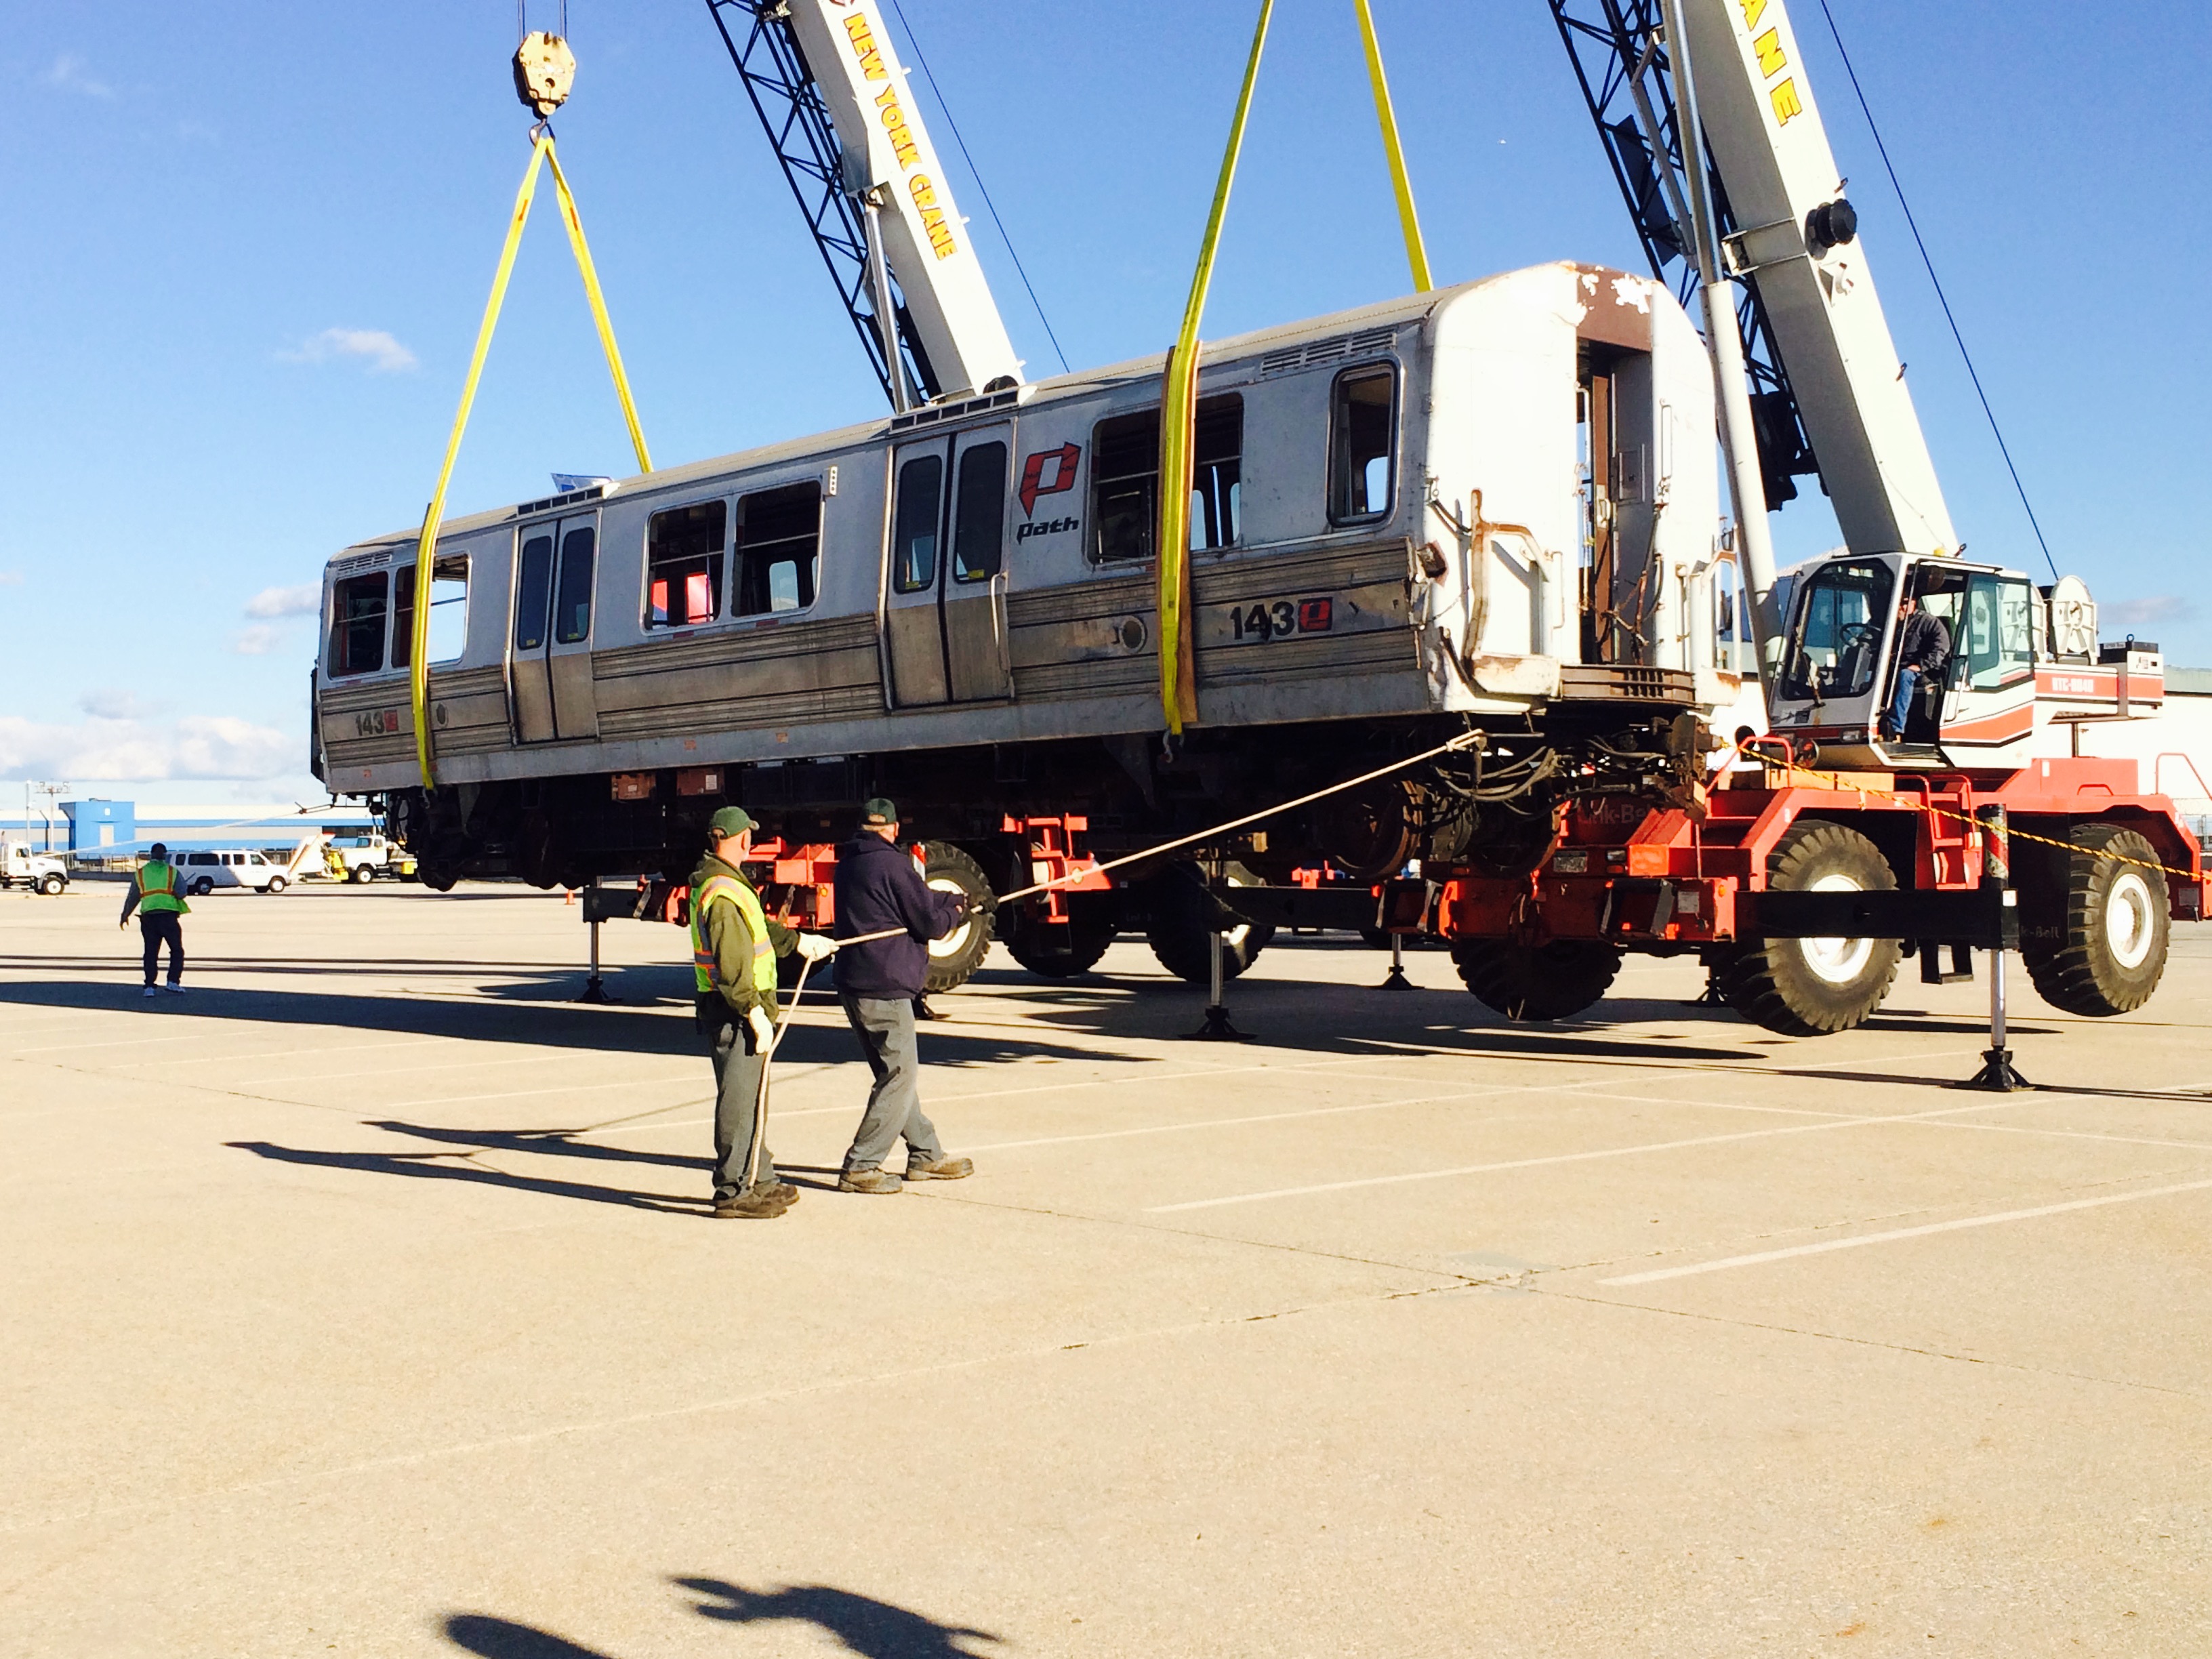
{"x":1814,"y":987}
{"x":1556,"y":980}
{"x":954,"y":959}
{"x":2110,"y":953}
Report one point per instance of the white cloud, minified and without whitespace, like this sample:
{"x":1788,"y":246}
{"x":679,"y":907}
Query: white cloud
{"x":2149,"y":612}
{"x":107,"y":704}
{"x":257,"y":641}
{"x":68,"y":73}
{"x":301,"y":601}
{"x":385,"y":354}
{"x":142,"y":752}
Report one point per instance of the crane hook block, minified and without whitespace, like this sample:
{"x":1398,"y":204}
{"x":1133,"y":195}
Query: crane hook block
{"x":544,"y":69}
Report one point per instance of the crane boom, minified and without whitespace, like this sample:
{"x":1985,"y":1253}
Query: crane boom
{"x":1827,"y":390}
{"x":1796,"y":239}
{"x":924,"y":238}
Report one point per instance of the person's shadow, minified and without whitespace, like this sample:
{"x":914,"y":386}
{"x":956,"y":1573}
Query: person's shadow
{"x":873,"y":1629}
{"x":877,"y":1630}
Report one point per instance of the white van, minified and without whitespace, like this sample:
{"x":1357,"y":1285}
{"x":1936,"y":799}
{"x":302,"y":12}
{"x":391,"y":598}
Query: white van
{"x":200,"y":873}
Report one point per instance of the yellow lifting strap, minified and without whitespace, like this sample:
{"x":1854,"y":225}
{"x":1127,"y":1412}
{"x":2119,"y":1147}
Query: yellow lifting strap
{"x":1179,"y":378}
{"x":1178,"y":413}
{"x":541,"y":154}
{"x":1417,"y":255}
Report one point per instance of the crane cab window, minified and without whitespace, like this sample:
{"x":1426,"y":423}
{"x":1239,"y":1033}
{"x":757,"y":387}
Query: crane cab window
{"x":357,"y":607}
{"x":1125,"y":471}
{"x":914,"y":527}
{"x":1362,"y":430}
{"x":1993,"y":638}
{"x":779,"y":555}
{"x":1836,"y":644}
{"x":684,"y":565}
{"x":449,"y":601}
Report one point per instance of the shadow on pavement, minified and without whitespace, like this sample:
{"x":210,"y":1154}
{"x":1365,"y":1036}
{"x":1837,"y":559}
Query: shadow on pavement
{"x":877,"y":1630}
{"x":417,"y":1166}
{"x":864,"y":1626}
{"x":554,"y":1143}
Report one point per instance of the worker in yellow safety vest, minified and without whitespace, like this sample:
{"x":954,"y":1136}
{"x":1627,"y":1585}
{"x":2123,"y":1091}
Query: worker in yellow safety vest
{"x":156,"y":895}
{"x":735,"y":947}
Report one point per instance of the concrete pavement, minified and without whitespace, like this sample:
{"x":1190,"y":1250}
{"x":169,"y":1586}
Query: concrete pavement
{"x":363,"y":1300}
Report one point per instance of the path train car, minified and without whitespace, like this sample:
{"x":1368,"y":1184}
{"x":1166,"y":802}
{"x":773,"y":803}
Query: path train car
{"x":1491,"y":504}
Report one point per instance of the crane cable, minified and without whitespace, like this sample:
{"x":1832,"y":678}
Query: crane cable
{"x":1179,"y":374}
{"x":542,"y":155}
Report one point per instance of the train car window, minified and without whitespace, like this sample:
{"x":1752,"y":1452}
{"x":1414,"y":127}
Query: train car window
{"x":1217,"y":462}
{"x":979,"y":513}
{"x":1125,"y":472}
{"x":913,"y":530}
{"x":449,"y":600}
{"x":572,"y":594}
{"x":533,"y":592}
{"x":683,"y":564}
{"x":357,"y":605}
{"x":1361,"y":431}
{"x":779,"y":549}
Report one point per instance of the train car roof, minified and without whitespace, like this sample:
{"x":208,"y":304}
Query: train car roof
{"x":1403,"y":309}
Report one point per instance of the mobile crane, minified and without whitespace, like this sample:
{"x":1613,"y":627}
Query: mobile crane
{"x":1726,"y":167}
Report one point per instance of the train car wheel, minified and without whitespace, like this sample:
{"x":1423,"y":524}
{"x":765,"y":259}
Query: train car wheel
{"x":1182,"y":913}
{"x":1556,"y":980}
{"x":955,"y":958}
{"x":1063,"y":950}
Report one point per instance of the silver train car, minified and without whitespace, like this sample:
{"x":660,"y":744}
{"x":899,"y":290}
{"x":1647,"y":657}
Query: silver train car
{"x":1494,"y":505}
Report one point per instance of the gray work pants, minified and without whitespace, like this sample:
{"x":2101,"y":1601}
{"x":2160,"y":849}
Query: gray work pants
{"x":157,"y":928}
{"x":885,"y":1026}
{"x":737,"y":1088}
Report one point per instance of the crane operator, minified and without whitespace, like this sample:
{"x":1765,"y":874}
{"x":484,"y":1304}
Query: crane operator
{"x":1923,"y":646}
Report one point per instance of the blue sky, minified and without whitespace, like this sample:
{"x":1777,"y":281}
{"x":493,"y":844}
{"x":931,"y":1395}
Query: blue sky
{"x":247,"y":259}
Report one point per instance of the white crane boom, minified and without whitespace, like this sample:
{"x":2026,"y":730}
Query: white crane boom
{"x":1798,"y":240}
{"x":924,"y":238}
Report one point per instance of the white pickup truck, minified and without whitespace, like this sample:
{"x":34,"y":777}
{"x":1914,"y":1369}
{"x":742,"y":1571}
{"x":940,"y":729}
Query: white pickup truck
{"x":364,"y":858}
{"x":41,"y":872}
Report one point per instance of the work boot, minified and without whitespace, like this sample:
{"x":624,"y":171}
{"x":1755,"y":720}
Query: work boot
{"x":868,"y":1181}
{"x":759,"y":1204}
{"x":939,"y":1169}
{"x":785,"y":1192}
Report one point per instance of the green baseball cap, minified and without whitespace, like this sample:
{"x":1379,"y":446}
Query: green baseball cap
{"x":731,"y":821}
{"x":876,"y":811}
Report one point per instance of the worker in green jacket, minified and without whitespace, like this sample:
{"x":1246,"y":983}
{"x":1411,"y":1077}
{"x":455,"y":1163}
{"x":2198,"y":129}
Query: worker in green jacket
{"x":735,"y":947}
{"x":157,"y":895}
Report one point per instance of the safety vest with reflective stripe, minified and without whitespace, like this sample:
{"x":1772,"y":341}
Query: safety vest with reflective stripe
{"x":749,"y":905}
{"x":157,"y":890}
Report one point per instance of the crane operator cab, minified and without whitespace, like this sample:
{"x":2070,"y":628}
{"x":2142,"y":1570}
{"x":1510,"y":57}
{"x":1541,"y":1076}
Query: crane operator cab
{"x":1854,"y":656}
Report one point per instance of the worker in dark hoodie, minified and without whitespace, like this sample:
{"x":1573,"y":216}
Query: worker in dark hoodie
{"x":879,"y":890}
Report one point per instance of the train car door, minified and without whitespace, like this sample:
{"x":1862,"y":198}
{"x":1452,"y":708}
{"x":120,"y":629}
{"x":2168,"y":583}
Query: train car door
{"x":550,"y":666}
{"x":945,"y":600}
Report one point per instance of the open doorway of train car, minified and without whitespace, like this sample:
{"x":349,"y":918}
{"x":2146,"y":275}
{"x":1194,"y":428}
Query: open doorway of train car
{"x":549,"y":692}
{"x":945,"y":602}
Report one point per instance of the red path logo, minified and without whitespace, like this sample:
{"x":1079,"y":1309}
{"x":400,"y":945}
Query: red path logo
{"x":1033,"y":484}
